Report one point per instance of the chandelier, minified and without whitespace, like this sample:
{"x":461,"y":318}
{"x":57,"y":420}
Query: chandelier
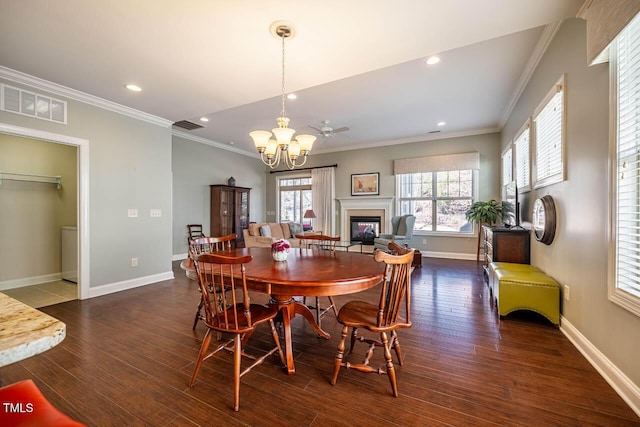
{"x":293,"y":153}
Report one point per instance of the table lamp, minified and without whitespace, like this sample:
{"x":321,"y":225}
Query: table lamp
{"x":309,"y":213}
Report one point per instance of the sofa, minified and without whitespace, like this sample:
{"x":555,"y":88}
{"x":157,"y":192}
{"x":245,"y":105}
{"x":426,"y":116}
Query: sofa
{"x":263,"y":234}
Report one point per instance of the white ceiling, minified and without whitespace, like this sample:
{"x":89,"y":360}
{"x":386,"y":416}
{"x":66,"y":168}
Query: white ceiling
{"x":358,"y":63}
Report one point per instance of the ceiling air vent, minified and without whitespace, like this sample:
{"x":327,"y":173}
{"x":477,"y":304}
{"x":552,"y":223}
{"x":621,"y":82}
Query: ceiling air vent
{"x":186,"y":124}
{"x":434,"y":131}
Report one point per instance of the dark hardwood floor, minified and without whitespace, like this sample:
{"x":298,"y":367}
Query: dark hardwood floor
{"x":128,"y":357}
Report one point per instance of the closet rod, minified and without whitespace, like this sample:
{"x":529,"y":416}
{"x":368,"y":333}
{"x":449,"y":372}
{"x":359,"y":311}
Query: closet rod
{"x":29,"y":177}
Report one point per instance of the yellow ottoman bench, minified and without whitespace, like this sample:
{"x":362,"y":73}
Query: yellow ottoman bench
{"x":493,"y":284}
{"x":524,"y":287}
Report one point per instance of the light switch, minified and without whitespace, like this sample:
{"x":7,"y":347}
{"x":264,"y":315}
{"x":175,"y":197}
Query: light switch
{"x":156,"y":213}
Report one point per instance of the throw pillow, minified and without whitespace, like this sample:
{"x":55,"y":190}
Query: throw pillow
{"x":265,"y":231}
{"x":296,"y":228}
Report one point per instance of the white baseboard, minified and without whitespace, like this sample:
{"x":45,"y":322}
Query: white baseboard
{"x":179,"y":257}
{"x":129,"y":284}
{"x":450,"y":255}
{"x":628,"y":391}
{"x":29,"y":281}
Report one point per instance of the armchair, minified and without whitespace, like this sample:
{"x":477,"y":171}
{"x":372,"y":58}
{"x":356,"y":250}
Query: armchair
{"x":401,"y":232}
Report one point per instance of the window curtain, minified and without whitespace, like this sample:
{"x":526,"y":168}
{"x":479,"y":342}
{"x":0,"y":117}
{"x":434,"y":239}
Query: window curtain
{"x":605,"y":19}
{"x":323,"y":199}
{"x":447,"y":162}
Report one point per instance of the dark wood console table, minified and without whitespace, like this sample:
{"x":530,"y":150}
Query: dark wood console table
{"x":506,"y":245}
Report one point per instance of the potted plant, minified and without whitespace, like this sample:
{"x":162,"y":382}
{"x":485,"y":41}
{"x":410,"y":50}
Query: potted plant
{"x":486,"y":213}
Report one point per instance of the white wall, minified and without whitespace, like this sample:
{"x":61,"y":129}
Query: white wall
{"x":578,"y":255}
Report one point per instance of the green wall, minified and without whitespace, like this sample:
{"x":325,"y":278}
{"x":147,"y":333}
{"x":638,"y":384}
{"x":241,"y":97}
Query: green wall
{"x":195,"y":167}
{"x":129,"y":167}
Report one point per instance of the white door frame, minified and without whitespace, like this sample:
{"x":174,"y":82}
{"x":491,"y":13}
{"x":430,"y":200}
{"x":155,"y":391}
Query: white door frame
{"x":83,"y":193}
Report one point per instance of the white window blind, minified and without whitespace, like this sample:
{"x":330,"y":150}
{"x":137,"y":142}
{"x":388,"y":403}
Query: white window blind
{"x":549,"y":132}
{"x":523,"y":172}
{"x":507,"y":166}
{"x":628,"y":157}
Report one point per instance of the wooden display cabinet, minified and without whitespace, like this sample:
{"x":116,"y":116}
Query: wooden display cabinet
{"x":229,"y":211}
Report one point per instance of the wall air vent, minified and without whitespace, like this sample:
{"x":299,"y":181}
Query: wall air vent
{"x":186,"y":124}
{"x":32,"y":104}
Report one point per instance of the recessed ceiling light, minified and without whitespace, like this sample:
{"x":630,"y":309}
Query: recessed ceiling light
{"x":231,"y":143}
{"x":292,"y":96}
{"x":441,"y":123}
{"x":433,"y":60}
{"x":204,"y":119}
{"x":134,"y":88}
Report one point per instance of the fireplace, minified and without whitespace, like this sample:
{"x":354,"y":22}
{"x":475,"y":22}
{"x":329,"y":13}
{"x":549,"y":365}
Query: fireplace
{"x":364,"y":228}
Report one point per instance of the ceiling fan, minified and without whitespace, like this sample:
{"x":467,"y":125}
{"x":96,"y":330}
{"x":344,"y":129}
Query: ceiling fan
{"x":327,"y":131}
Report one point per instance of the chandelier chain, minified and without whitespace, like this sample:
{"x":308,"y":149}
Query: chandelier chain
{"x":283,"y":112}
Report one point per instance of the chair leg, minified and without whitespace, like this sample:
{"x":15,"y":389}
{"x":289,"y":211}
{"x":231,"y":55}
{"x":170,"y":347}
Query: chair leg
{"x":390,"y":370}
{"x":276,"y":338}
{"x":333,"y":305}
{"x":198,"y":313}
{"x":338,"y":363}
{"x":203,"y":352}
{"x":354,"y":337}
{"x":318,"y":313}
{"x":396,"y":346}
{"x":237,"y":357}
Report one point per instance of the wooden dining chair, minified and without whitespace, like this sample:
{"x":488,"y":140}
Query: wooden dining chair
{"x":383,"y":318}
{"x":194,"y":231}
{"x":320,"y":242}
{"x":236,"y":315}
{"x":204,"y":245}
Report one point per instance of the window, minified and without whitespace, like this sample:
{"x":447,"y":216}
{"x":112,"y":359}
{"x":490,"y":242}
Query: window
{"x":439,"y":200}
{"x":507,"y":166}
{"x":295,"y":199}
{"x":521,"y":145}
{"x":548,"y":124}
{"x":624,"y":262}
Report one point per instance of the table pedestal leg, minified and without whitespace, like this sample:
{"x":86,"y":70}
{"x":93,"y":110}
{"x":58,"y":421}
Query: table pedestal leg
{"x":289,"y":308}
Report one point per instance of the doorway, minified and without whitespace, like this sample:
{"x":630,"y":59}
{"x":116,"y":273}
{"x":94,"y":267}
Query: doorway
{"x":82,"y":202}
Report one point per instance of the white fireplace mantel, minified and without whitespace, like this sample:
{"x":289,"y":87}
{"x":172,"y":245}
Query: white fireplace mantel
{"x":364,"y":202}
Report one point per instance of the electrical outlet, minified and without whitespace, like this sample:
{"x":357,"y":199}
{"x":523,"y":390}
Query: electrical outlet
{"x":134,"y":262}
{"x":132,"y":213}
{"x":156,"y":213}
{"x":424,"y":241}
{"x":567,"y":293}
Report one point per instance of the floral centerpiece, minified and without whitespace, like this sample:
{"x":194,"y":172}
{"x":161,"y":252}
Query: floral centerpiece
{"x":280,"y":249}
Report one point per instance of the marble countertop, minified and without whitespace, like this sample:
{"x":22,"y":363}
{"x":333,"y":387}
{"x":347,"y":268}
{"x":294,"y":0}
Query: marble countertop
{"x":26,"y":331}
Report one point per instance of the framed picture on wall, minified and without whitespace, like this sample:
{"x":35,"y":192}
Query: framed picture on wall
{"x":365,"y":184}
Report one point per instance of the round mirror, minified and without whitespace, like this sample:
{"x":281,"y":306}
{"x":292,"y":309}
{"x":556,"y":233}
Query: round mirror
{"x":544,"y":219}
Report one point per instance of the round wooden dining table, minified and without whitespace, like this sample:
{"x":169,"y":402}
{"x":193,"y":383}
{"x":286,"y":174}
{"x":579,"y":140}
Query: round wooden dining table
{"x":306,"y":272}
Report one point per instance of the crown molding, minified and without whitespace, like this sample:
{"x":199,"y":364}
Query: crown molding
{"x":54,"y":88}
{"x":541,"y":47}
{"x":409,"y":140}
{"x":216,"y":144}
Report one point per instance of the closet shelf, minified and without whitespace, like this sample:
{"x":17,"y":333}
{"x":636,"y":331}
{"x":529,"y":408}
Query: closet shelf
{"x":10,"y":176}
